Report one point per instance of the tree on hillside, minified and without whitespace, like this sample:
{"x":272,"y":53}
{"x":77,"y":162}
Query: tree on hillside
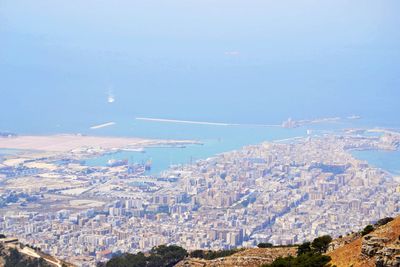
{"x":13,"y":259}
{"x":198,"y":253}
{"x":321,"y":244}
{"x":368,"y":229}
{"x":304,"y":260}
{"x":155,"y":260}
{"x":384,"y":221}
{"x":212,"y":254}
{"x":304,"y":248}
{"x":265,"y":245}
{"x":170,"y":255}
{"x":161,"y":256}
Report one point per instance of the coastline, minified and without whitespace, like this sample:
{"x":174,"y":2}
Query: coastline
{"x":69,"y":142}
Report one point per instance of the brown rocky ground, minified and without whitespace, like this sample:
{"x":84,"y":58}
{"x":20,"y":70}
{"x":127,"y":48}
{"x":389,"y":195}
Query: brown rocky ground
{"x":27,"y":254}
{"x":252,"y":257}
{"x":379,"y":248}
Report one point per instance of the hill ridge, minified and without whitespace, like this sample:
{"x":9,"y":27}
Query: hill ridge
{"x":381,"y":247}
{"x":13,"y":253}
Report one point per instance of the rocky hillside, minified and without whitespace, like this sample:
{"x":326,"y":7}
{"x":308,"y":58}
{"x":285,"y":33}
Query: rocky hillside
{"x":252,"y":257}
{"x":377,"y":245}
{"x":13,"y":253}
{"x":381,"y":247}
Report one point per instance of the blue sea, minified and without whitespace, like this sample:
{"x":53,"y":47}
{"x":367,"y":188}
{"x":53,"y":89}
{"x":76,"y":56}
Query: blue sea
{"x":387,"y":160}
{"x":215,"y":139}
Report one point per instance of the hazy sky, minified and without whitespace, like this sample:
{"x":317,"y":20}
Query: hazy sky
{"x":220,"y":60}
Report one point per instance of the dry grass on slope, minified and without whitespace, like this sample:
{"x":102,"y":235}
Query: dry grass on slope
{"x":350,"y":254}
{"x":251,"y":257}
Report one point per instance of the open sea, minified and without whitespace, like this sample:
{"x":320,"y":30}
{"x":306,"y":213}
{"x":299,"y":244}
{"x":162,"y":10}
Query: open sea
{"x":387,"y":160}
{"x":66,"y":67}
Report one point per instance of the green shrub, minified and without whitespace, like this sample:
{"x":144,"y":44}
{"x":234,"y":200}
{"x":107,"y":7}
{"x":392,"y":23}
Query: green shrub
{"x":304,"y":248}
{"x":384,"y":221}
{"x":197,"y":254}
{"x":265,"y":245}
{"x":308,"y":255}
{"x":368,"y":229}
{"x":321,"y":244}
{"x":161,"y":256}
{"x":211,"y":255}
{"x":304,"y":260}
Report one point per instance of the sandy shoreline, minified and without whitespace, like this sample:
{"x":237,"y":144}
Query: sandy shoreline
{"x":67,"y":142}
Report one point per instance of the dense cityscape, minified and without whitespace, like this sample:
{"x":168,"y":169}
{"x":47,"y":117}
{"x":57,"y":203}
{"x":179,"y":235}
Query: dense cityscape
{"x":282,"y":192}
{"x":187,"y":133}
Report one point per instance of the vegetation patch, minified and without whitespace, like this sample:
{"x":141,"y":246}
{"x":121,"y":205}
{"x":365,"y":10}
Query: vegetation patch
{"x":367,"y":229}
{"x":161,"y":256}
{"x":309,"y":254}
{"x":211,"y":255}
